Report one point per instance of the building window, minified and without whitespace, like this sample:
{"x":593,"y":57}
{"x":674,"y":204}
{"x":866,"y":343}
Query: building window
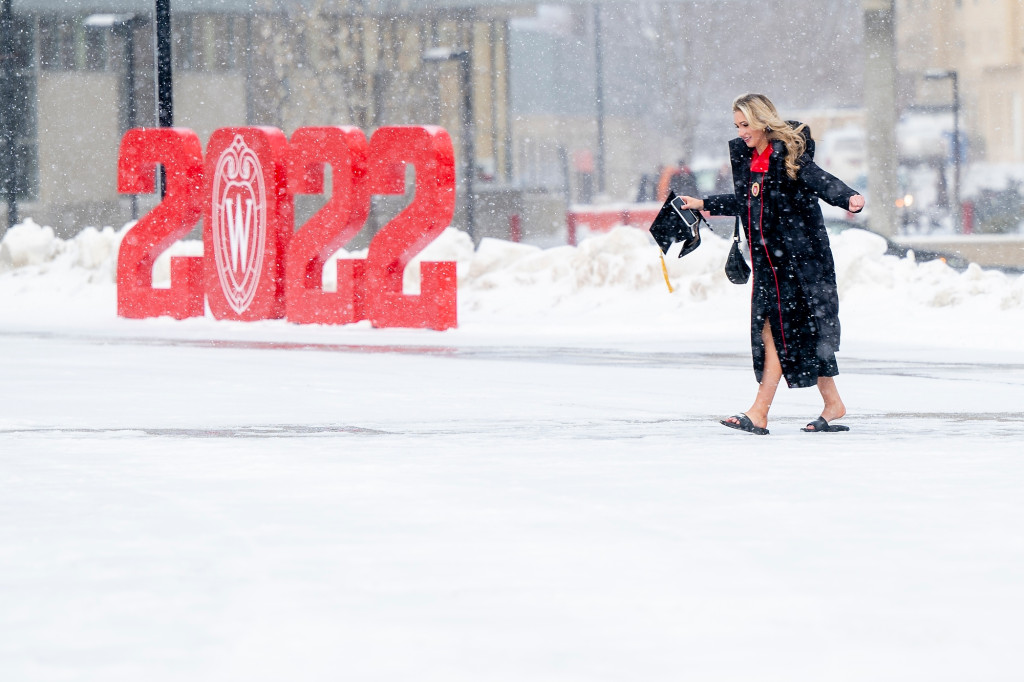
{"x":56,"y":44}
{"x":95,"y":48}
{"x":209,"y":42}
{"x":66,"y":44}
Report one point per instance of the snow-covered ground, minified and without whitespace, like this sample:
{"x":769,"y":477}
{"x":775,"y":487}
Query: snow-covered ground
{"x":543,"y":493}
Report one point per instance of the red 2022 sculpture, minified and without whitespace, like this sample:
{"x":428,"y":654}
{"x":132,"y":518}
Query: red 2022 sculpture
{"x":255,"y":266}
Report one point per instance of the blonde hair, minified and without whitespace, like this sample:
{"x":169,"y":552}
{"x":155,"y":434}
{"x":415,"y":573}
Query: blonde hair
{"x":761,"y":114}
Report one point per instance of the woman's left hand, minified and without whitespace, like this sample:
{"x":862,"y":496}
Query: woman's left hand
{"x":856,"y":203}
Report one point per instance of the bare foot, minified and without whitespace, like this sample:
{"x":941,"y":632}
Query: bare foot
{"x":834,"y":407}
{"x":832,"y":412}
{"x":758,"y":420}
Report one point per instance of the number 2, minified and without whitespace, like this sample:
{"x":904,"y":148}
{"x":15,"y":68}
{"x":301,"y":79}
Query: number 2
{"x":429,"y":150}
{"x":181,"y":154}
{"x":345,"y":149}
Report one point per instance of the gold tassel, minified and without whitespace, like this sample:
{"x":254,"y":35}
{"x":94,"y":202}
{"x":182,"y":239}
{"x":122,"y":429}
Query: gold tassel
{"x":664,"y":271}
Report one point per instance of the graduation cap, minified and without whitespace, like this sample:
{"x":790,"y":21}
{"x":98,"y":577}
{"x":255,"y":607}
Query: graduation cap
{"x":676,"y":224}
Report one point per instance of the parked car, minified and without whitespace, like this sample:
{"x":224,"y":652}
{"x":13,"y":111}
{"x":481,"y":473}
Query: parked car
{"x":953,"y":260}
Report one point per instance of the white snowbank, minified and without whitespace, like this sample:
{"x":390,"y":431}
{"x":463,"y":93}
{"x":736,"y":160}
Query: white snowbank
{"x":612,"y":281}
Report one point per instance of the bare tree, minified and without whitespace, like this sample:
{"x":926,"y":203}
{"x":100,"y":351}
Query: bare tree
{"x":310,"y":60}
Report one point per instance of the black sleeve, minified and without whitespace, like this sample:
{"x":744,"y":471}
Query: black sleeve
{"x":824,"y":185}
{"x":722,"y":204}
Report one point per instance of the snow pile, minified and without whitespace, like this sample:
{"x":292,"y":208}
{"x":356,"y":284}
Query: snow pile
{"x":32,"y":247}
{"x":864,"y":271}
{"x":614,"y":270}
{"x":610,"y":279}
{"x":28,"y":244}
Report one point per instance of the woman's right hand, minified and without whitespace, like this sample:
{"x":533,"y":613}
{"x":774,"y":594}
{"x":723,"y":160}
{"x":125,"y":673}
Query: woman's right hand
{"x":692,"y":202}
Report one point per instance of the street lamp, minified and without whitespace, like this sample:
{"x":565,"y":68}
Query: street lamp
{"x":164,"y":71}
{"x":599,"y":94}
{"x":445,"y":54}
{"x":123,"y":25}
{"x":11,"y":112}
{"x":952,"y":75}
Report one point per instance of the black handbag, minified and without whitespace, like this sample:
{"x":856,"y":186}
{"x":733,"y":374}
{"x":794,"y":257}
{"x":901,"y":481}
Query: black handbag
{"x":736,"y":268}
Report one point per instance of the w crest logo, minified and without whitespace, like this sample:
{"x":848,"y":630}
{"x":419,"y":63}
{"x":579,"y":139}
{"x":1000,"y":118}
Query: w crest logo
{"x":239,"y":218}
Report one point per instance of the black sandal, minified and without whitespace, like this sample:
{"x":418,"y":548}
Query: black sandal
{"x":743,"y":423}
{"x":820,"y":425}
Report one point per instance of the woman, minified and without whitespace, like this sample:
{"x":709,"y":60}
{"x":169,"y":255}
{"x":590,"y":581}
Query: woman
{"x":794,"y":311}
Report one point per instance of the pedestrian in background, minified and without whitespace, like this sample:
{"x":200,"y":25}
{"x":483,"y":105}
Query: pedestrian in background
{"x":679,"y":179}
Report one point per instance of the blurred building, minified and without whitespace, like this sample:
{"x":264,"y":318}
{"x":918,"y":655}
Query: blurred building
{"x":983,"y":42}
{"x":670,"y":71}
{"x":549,"y":120}
{"x":282,"y":63}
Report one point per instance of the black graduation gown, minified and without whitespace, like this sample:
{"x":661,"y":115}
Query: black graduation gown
{"x":794,"y":276}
